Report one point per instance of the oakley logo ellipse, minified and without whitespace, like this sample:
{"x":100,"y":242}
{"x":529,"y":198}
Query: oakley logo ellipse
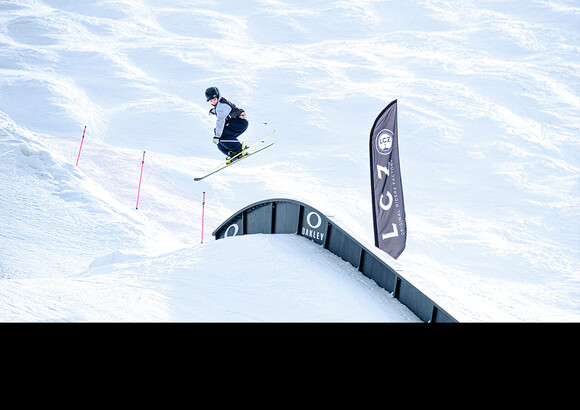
{"x":314,"y":221}
{"x":227,"y":232}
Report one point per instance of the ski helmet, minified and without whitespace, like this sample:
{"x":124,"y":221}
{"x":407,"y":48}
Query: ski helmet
{"x":211,"y":93}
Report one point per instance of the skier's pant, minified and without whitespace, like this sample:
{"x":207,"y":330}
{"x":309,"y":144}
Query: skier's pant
{"x":229,"y":139}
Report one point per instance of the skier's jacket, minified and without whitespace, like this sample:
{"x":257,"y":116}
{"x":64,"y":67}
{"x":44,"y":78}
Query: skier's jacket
{"x":225,"y":111}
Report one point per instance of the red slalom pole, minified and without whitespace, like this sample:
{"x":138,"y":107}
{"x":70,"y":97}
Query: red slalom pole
{"x":82,"y":140}
{"x":202,"y":216}
{"x":140,"y":177}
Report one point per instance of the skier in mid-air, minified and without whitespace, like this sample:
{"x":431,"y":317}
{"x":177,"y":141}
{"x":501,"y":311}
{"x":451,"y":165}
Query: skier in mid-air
{"x":230,"y":124}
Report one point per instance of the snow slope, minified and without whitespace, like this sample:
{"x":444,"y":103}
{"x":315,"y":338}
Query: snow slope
{"x":489,"y":103}
{"x":199,"y":284}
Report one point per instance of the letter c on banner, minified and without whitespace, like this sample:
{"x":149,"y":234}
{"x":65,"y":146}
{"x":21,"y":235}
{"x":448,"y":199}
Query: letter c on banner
{"x":382,"y":205}
{"x":235,"y":226}
{"x":310,"y":223}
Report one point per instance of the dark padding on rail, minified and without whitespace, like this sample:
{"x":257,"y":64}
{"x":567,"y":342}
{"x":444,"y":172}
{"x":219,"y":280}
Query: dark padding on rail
{"x":287,"y":216}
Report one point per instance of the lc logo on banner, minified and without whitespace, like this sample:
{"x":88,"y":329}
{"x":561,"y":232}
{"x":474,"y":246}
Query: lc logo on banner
{"x":389,"y":222}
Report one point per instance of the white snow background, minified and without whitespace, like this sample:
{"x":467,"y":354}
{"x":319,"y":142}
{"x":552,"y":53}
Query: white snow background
{"x":489,"y":114}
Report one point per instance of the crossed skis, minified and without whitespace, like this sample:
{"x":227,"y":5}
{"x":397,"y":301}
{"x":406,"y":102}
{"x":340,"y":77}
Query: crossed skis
{"x":248,"y":152}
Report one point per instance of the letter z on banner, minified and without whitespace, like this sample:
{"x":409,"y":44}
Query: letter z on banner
{"x":386,"y":185}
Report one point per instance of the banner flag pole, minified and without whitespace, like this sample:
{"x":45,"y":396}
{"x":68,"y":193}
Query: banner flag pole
{"x":389,"y":221}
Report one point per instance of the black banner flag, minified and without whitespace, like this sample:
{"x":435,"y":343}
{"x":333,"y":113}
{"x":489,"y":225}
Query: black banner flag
{"x":386,"y":185}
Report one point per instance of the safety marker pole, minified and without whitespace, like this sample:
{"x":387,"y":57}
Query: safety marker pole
{"x":140,"y":177}
{"x":82,"y":140}
{"x":202,"y":216}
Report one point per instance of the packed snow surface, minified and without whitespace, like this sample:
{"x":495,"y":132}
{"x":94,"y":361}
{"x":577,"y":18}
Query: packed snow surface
{"x":489,"y":132}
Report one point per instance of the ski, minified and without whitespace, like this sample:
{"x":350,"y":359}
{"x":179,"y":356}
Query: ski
{"x":234,"y":161}
{"x":248,"y":153}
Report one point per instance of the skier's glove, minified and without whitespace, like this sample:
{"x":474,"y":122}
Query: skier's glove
{"x":216,"y":139}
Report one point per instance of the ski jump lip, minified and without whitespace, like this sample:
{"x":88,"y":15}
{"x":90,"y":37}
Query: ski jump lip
{"x":288,"y":216}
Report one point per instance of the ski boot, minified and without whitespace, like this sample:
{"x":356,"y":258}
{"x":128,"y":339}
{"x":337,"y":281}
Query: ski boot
{"x":235,"y":155}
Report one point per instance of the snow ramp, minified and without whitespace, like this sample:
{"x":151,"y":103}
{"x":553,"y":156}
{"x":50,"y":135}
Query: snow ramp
{"x":286,"y":216}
